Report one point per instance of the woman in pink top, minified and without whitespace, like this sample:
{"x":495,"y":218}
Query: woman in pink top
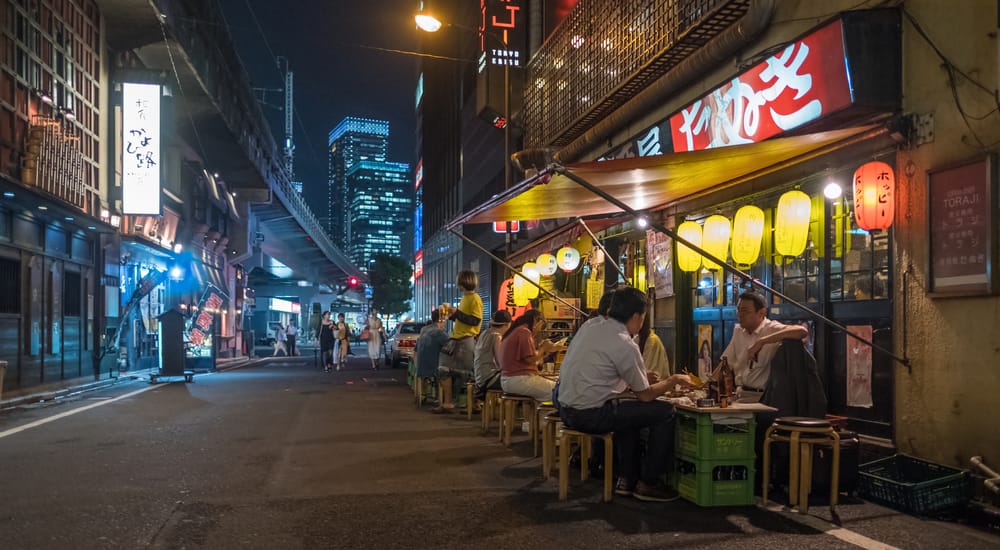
{"x":519,"y":358}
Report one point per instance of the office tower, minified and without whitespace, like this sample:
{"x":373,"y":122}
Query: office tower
{"x":350,"y":142}
{"x":380,"y":213}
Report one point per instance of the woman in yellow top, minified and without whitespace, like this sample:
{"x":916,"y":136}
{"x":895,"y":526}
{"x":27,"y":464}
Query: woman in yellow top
{"x":456,"y":368}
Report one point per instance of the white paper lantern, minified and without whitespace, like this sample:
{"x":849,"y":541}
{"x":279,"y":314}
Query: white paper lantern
{"x":568,"y":258}
{"x":546,"y":264}
{"x":530,"y":271}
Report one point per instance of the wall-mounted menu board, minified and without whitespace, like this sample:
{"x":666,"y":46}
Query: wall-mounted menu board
{"x":961,"y":227}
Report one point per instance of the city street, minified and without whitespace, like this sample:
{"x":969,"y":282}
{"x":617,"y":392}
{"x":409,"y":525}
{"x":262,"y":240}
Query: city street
{"x":278,"y":454}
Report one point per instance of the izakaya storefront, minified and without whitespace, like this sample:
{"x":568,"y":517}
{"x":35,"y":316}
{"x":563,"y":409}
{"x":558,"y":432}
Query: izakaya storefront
{"x":743,"y":171}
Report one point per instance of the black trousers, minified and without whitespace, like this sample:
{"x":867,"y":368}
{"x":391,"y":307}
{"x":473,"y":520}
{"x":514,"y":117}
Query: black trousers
{"x":291,"y":344}
{"x":626,"y":417}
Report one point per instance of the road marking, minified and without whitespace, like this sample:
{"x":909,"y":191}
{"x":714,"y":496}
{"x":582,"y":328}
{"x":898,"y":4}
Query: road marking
{"x":53,"y":418}
{"x":823,"y":526}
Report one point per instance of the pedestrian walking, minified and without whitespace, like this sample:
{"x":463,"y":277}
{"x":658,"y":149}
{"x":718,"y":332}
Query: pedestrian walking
{"x":290,"y":334}
{"x":374,"y":330}
{"x":343,"y":345}
{"x":326,"y":341}
{"x":279,"y":340}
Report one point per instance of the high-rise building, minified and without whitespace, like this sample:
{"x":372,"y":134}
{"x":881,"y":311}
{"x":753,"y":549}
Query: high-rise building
{"x":380,"y":212}
{"x":350,"y":142}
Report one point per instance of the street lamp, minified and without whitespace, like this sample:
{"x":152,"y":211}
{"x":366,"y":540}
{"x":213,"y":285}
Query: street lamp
{"x":429,"y":23}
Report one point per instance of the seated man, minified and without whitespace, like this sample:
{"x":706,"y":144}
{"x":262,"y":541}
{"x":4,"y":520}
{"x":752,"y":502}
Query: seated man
{"x":432,"y":338}
{"x":601,"y":363}
{"x":486,"y":365}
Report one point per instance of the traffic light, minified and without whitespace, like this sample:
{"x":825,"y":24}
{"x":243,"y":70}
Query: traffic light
{"x":352,"y":282}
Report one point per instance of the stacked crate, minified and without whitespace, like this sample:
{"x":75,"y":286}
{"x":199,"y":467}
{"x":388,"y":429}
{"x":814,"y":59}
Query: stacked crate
{"x":715,"y":458}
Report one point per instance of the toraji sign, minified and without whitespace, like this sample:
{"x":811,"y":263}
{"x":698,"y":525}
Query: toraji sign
{"x":801,"y":83}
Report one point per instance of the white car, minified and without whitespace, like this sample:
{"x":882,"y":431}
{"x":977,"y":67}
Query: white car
{"x":403,"y":342}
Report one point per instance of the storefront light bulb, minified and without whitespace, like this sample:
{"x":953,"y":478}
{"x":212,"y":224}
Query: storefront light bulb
{"x":642,"y":222}
{"x":178,"y":247}
{"x":832,"y":190}
{"x":176,"y":272}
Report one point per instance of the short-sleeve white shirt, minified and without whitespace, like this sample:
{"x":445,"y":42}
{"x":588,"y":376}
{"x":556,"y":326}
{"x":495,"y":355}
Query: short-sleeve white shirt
{"x":601,"y":362}
{"x":741,"y":342}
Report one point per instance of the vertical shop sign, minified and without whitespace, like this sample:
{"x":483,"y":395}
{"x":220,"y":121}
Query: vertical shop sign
{"x":201,"y":323}
{"x":806,"y":80}
{"x":859,"y":367}
{"x":140,"y":148}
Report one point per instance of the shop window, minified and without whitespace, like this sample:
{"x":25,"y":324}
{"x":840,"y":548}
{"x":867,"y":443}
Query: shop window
{"x":859,"y":260}
{"x":798,"y":276}
{"x":10,"y":286}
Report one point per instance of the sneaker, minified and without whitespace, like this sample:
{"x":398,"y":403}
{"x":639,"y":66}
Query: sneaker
{"x":624,"y":487}
{"x":654,"y":493}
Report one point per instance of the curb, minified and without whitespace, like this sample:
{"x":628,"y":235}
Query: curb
{"x":62,"y":393}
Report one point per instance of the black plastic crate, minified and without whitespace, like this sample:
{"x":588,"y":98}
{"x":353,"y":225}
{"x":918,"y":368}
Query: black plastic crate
{"x":913,"y":485}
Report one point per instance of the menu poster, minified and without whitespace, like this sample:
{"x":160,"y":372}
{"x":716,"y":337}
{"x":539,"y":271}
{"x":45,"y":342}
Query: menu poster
{"x":859,"y":367}
{"x":961,"y":228}
{"x":660,"y":262}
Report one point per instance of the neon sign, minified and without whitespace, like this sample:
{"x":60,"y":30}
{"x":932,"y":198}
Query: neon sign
{"x":140,"y":148}
{"x":502,"y":20}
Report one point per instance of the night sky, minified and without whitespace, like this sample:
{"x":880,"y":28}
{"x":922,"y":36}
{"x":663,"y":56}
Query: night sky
{"x":337,"y":50}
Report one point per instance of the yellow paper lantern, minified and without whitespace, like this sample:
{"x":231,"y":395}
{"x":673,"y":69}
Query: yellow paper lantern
{"x":688,"y":259}
{"x":520,"y":291}
{"x":715,"y":236}
{"x":546,"y":264}
{"x":791,"y":223}
{"x":874,"y":201}
{"x":748,"y":230}
{"x":530,"y":271}
{"x":568,"y":258}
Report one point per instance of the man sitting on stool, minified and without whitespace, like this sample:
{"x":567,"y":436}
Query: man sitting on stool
{"x":601,"y":363}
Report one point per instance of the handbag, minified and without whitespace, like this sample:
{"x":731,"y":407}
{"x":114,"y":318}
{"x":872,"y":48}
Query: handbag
{"x":366,"y":334}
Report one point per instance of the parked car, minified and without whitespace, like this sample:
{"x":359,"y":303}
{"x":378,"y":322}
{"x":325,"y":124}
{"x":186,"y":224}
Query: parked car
{"x":403,"y":342}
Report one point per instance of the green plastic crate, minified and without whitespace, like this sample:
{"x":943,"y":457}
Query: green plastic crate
{"x":699,"y":481}
{"x":699,"y":437}
{"x":913,"y":485}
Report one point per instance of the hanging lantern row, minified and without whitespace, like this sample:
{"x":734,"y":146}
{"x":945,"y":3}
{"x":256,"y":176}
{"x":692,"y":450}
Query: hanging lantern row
{"x":874,"y":196}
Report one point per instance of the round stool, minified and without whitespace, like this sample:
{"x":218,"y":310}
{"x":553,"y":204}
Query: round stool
{"x":507,"y":416}
{"x":491,"y":405}
{"x":542,"y":410}
{"x":801,"y":434}
{"x":550,"y":425}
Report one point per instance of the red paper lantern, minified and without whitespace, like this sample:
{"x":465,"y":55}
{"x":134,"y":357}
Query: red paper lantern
{"x":874,"y":196}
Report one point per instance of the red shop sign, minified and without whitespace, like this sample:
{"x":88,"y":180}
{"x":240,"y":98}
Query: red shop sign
{"x":806,"y":80}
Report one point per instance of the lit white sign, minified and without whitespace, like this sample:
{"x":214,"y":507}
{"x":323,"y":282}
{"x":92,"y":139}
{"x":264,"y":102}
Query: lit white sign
{"x":141,"y":149}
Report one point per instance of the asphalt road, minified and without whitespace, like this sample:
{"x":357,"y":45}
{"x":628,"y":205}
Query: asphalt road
{"x":279,"y":455}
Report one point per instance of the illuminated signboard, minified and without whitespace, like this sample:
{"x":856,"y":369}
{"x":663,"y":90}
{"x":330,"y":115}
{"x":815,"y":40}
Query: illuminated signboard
{"x":140,"y":148}
{"x":200,"y":331}
{"x":418,"y":227}
{"x":286,"y":306}
{"x":503,"y":20}
{"x":804,"y":81}
{"x":418,"y":264}
{"x":419,"y":174}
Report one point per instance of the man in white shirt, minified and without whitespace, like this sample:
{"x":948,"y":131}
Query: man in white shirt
{"x":291,"y":333}
{"x":601,"y":363}
{"x":754,"y":343}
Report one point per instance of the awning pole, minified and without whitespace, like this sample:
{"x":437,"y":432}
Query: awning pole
{"x":600,"y":245}
{"x":742,"y":274}
{"x":514,"y":270}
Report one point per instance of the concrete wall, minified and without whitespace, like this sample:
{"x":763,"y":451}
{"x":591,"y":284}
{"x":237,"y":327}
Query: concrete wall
{"x":947,"y":403}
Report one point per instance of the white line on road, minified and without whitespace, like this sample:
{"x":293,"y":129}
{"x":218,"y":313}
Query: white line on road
{"x":846,"y":535}
{"x":52,"y":418}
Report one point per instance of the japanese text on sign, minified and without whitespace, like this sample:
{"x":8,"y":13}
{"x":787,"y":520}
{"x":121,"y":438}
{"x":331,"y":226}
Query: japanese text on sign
{"x":140,"y":148}
{"x":960,"y":228}
{"x":804,"y":81}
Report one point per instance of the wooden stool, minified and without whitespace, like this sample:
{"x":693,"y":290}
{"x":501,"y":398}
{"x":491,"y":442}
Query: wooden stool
{"x":550,"y":426}
{"x":491,"y":405}
{"x":566,"y":439}
{"x":470,"y":401}
{"x":801,"y":434}
{"x":418,"y":388}
{"x":507,"y":417}
{"x":542,"y":410}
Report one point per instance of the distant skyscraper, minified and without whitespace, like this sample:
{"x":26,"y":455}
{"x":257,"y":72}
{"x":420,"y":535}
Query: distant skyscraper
{"x":380,"y":213}
{"x":350,"y":142}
